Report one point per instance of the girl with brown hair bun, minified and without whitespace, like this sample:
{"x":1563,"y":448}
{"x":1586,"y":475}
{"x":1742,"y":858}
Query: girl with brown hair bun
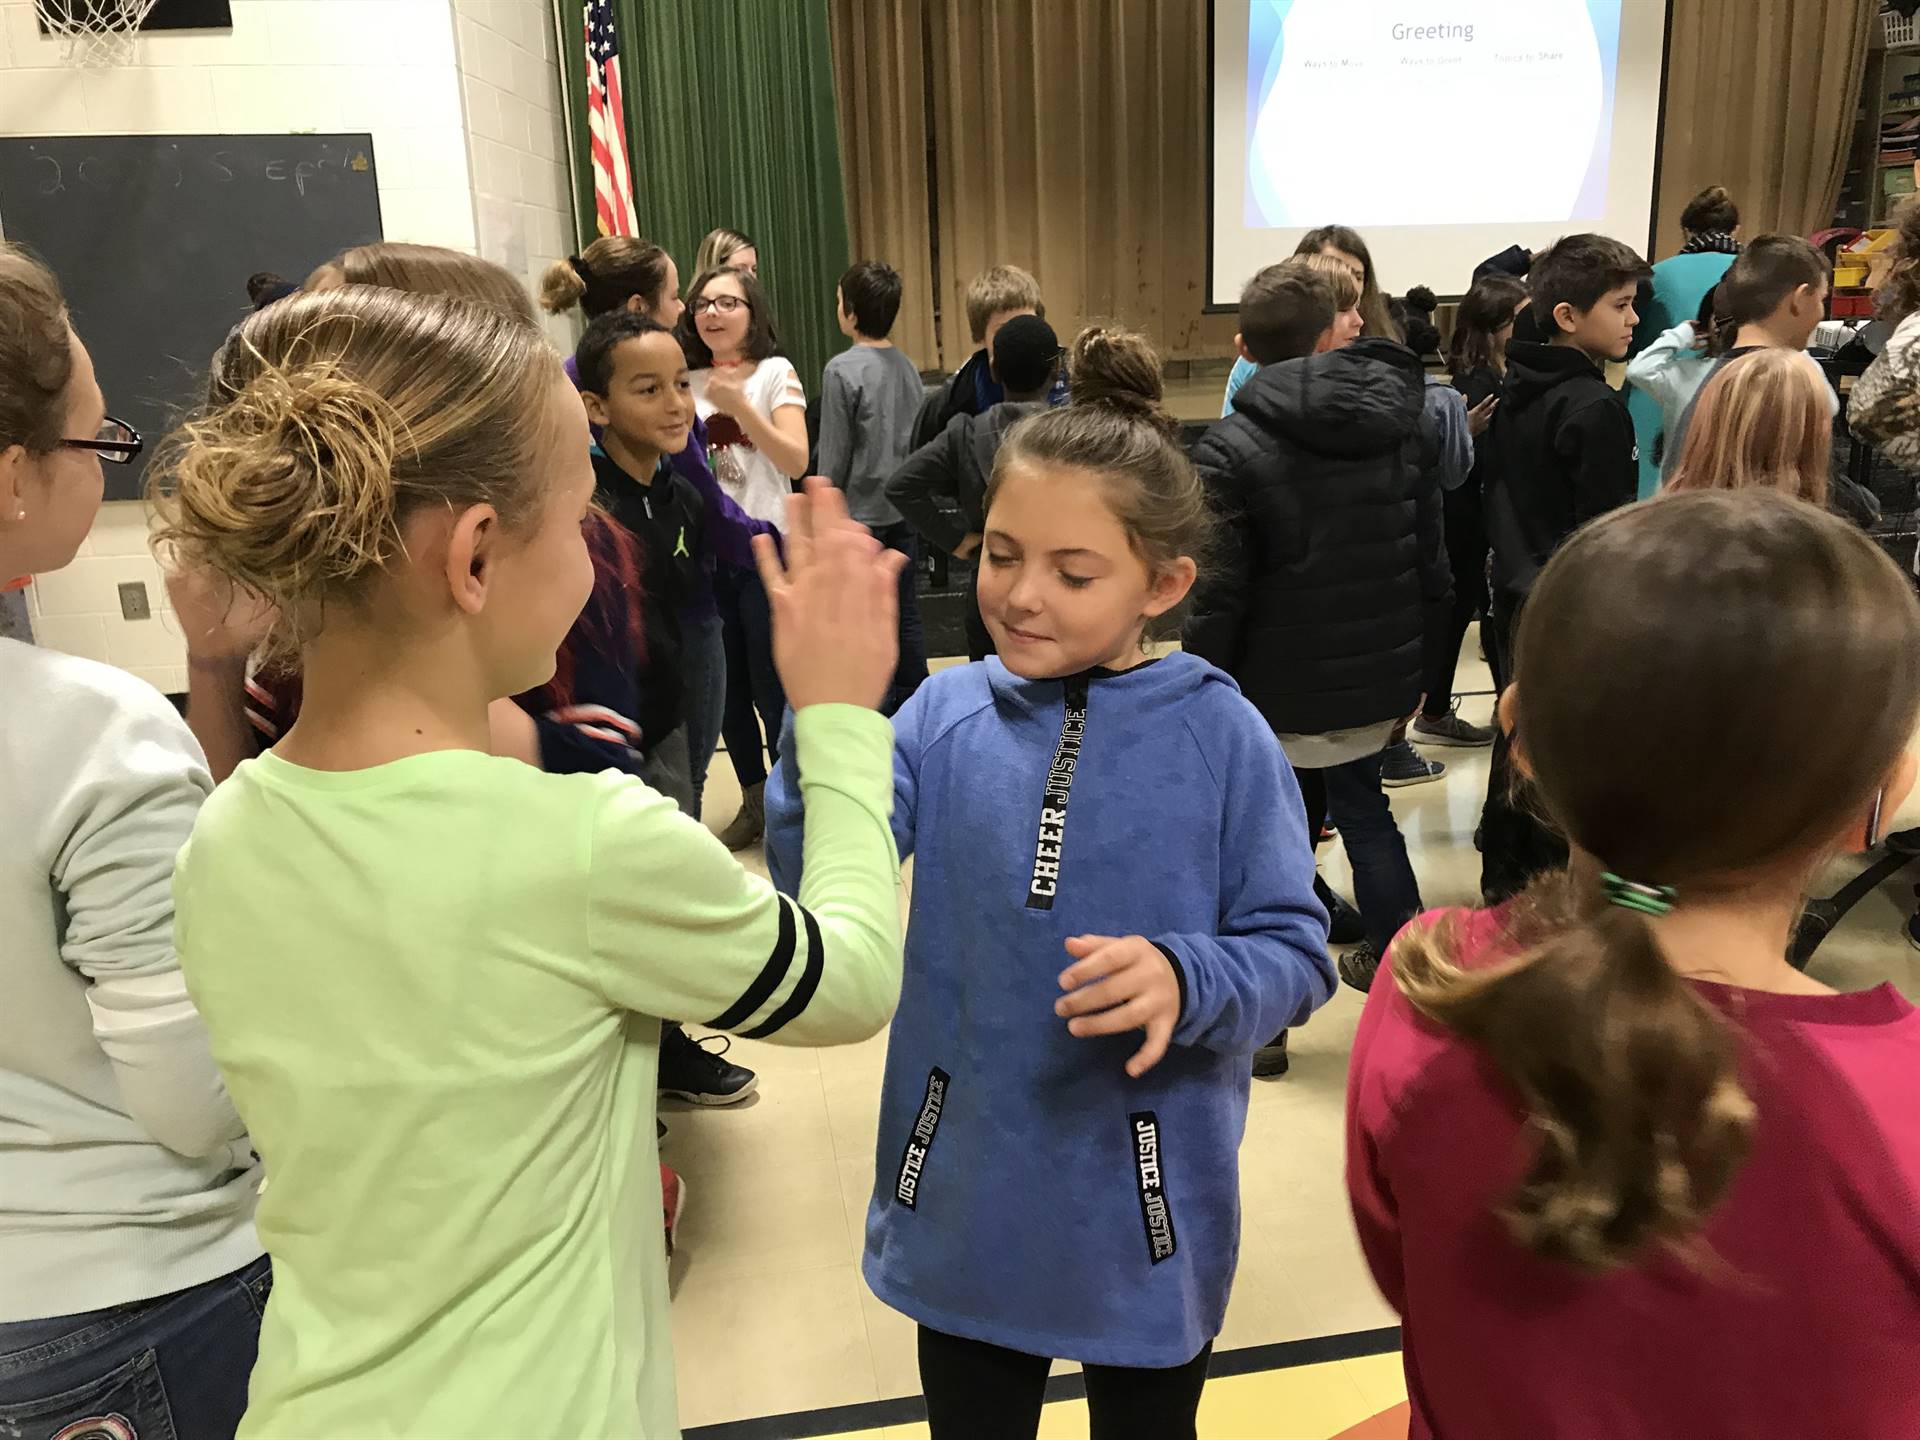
{"x":1079,"y":1037}
{"x":1621,"y":1167}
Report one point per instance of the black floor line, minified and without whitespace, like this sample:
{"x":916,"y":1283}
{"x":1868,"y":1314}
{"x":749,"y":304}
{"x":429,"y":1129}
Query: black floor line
{"x":911,"y":1409}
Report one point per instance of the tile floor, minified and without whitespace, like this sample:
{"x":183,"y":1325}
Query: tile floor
{"x":770,"y":1314}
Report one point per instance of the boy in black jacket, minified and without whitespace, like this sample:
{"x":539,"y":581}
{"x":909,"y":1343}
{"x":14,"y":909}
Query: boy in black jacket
{"x":941,"y":488}
{"x":1560,"y":452}
{"x":1333,"y":577}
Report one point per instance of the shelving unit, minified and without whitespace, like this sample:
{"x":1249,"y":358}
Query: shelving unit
{"x":1889,"y":98}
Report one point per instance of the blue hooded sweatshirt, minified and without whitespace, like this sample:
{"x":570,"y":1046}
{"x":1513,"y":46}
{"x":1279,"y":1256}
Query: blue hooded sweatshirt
{"x":1029,"y":1194}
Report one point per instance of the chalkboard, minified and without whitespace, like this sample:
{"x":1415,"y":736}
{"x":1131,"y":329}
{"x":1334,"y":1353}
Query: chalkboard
{"x":153,"y":238}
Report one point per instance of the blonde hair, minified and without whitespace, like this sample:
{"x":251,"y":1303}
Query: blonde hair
{"x":1346,"y":289}
{"x":1761,"y":421}
{"x":427,"y":270}
{"x":605,"y":275}
{"x":1004,"y":287}
{"x":334,"y":417}
{"x":719,"y":248}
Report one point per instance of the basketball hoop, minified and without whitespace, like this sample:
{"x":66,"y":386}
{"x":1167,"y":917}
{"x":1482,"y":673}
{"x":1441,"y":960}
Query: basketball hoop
{"x":98,"y":33}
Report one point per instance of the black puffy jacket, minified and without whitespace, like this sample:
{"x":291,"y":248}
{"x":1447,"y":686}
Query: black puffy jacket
{"x":1333,"y":577}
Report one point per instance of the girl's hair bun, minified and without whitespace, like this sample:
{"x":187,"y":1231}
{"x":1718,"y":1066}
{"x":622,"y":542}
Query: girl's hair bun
{"x":1115,"y":367}
{"x":287,"y":487}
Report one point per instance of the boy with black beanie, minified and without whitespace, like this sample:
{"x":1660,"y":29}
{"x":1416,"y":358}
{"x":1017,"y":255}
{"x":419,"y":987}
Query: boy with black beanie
{"x":941,"y":490}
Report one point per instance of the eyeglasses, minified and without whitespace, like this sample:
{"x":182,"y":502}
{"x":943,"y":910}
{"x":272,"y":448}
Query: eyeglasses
{"x":725,"y":304}
{"x":117,"y":442}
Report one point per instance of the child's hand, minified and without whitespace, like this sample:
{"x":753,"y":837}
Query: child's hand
{"x":728,"y":395}
{"x":835,"y":603}
{"x":220,"y":621}
{"x":1119,"y":985}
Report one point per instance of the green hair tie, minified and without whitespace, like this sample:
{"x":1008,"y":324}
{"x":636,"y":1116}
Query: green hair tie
{"x":1655,"y":900}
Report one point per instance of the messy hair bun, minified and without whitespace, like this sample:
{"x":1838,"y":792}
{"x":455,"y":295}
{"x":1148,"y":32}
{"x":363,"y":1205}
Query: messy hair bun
{"x":332,"y":418}
{"x":1117,"y":368}
{"x":1117,"y":429}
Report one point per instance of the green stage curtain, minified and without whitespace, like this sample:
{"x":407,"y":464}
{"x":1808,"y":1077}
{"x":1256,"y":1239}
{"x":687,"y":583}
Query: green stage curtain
{"x":731,"y":121}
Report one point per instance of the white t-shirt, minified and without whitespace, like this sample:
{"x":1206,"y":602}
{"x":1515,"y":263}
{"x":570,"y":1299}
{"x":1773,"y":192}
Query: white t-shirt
{"x":755,"y":483}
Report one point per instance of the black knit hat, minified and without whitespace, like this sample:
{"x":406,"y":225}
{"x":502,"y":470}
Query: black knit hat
{"x":1025,"y":352}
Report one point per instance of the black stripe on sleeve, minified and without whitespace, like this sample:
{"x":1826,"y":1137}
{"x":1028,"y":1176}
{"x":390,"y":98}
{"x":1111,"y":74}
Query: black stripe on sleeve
{"x":770,"y":976}
{"x":809,"y":982}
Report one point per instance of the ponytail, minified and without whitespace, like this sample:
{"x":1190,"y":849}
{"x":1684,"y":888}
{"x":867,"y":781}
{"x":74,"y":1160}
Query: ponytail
{"x":605,"y":276}
{"x":1629,"y":1079}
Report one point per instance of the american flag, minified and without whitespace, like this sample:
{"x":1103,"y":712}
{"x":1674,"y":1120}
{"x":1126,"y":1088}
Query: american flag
{"x":607,"y":125}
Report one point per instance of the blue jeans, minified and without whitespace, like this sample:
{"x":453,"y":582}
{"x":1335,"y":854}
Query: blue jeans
{"x":1384,"y":887}
{"x":910,"y":673}
{"x":172,"y":1368}
{"x":703,"y":667}
{"x":755,"y":698}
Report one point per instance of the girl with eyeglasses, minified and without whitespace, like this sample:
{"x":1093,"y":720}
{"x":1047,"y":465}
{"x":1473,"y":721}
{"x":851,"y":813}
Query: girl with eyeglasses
{"x":131,"y":1279}
{"x":750,"y":398}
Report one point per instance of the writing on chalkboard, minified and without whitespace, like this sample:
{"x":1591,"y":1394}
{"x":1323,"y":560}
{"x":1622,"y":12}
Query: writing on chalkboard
{"x":153,"y":237}
{"x":100,"y":172}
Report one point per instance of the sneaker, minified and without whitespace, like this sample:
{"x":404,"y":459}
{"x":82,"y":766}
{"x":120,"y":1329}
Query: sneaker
{"x":1270,"y":1060}
{"x":1327,"y":833}
{"x":698,"y":1071}
{"x":673,"y":1203}
{"x":1344,"y":925}
{"x":751,"y":823}
{"x":1450,"y":729}
{"x":1359,"y":965}
{"x":1402,"y":766}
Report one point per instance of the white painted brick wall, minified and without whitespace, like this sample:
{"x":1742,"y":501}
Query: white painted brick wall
{"x":392,"y":68}
{"x":516,"y":138}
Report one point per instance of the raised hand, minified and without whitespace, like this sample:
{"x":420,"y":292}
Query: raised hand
{"x":835,"y":603}
{"x":1120,"y":984}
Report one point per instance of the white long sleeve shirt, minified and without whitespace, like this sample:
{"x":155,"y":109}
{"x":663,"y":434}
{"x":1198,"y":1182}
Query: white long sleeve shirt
{"x":125,"y":1172}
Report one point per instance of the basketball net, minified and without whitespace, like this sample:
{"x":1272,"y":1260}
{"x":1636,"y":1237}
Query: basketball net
{"x":98,"y":33}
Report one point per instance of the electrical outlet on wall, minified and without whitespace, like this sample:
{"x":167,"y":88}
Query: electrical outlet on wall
{"x":133,"y":601}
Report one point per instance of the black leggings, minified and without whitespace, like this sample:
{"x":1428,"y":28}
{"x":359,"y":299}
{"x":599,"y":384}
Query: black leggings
{"x":977,"y":1391}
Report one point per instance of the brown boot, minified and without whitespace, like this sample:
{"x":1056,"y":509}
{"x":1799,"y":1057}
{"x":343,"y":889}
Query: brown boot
{"x":751,"y":823}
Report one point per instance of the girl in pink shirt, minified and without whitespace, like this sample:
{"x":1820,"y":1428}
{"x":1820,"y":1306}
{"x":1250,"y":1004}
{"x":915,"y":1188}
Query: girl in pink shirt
{"x":1622,"y":1169}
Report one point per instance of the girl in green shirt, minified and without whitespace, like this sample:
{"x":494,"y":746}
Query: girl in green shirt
{"x":433,"y":977}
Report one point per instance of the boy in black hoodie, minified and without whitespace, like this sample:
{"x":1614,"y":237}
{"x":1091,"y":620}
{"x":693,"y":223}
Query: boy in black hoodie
{"x":1560,"y":452}
{"x":1333,"y":578}
{"x":941,"y":488}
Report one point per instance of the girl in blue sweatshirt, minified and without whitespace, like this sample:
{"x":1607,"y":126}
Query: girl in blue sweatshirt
{"x":1107,"y":845}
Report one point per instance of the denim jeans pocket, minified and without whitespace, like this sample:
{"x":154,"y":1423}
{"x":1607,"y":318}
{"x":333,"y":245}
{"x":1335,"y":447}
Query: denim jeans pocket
{"x":257,"y":1281}
{"x":128,"y":1402}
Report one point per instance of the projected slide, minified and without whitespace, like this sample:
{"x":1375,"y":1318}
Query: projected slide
{"x":1337,"y":107}
{"x":1449,"y":128}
